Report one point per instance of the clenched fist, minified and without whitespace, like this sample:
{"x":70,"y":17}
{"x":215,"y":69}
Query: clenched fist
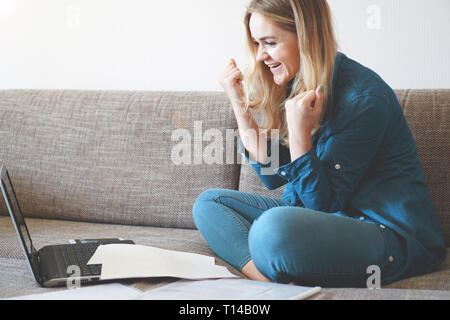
{"x":231,"y":82}
{"x":303,"y":112}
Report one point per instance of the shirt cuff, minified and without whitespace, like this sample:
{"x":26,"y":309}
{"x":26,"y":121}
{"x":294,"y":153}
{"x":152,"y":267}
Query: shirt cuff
{"x":300,"y":167}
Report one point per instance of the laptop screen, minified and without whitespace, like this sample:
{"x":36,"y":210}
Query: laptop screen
{"x":14,"y":210}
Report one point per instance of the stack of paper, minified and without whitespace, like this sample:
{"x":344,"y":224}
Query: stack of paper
{"x":109,"y":291}
{"x":121,"y":261}
{"x":217,"y":289}
{"x":229,"y":289}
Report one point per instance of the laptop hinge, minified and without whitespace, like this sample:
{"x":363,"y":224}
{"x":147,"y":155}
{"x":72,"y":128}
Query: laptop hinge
{"x":35,"y":263}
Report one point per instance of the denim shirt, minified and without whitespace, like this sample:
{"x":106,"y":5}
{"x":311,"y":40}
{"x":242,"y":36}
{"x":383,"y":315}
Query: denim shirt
{"x":363,"y":164}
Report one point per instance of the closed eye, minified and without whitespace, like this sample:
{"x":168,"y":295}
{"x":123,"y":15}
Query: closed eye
{"x":270,"y":44}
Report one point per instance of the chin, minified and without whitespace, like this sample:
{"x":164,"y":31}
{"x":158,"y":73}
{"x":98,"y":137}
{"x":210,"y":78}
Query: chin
{"x":281,"y":79}
{"x":280,"y":82}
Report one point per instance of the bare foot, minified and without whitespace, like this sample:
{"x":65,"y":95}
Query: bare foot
{"x":250,"y":271}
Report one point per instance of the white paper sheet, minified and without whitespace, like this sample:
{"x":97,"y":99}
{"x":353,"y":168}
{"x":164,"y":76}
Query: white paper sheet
{"x":229,"y":289}
{"x":220,"y":289}
{"x":121,"y":261}
{"x":110,"y":291}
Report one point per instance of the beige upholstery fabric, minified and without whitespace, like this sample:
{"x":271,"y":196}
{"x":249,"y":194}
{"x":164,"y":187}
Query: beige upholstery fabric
{"x":16,"y":279}
{"x":250,"y":182}
{"x":428,"y":115}
{"x":380,"y":294}
{"x":106,"y":156}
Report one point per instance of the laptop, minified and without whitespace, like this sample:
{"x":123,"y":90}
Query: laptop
{"x":53,"y":265}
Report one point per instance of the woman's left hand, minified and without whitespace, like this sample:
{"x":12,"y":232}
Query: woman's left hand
{"x":303,"y":111}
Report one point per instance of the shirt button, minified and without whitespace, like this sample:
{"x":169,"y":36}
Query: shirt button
{"x":362,"y":218}
{"x":391,"y":259}
{"x":337,"y":166}
{"x":283,"y":173}
{"x":382,"y":226}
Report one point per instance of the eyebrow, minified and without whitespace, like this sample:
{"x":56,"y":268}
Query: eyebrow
{"x":264,"y":38}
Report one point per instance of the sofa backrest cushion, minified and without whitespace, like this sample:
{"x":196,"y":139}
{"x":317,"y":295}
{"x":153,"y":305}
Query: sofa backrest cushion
{"x":108,"y":156}
{"x":428,"y":115}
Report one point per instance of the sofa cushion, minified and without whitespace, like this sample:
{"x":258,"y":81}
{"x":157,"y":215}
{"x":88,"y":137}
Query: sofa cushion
{"x":437,"y":280}
{"x":106,"y":156}
{"x":16,"y":279}
{"x":380,"y":294}
{"x":428,"y":115}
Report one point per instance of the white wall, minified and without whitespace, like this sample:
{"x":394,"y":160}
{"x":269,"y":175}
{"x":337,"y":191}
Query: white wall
{"x":406,"y":42}
{"x":184,"y":45}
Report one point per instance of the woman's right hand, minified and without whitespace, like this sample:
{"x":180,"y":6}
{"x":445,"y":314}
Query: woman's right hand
{"x":231,"y":82}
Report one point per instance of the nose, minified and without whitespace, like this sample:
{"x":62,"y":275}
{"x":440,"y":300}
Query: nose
{"x":261,"y":54}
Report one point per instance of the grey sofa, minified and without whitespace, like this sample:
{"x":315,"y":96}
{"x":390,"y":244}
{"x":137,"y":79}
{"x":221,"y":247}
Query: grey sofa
{"x":101,"y":164}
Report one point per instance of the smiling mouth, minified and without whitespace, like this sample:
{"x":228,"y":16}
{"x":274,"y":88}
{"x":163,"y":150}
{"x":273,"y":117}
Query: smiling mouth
{"x":274,"y":66}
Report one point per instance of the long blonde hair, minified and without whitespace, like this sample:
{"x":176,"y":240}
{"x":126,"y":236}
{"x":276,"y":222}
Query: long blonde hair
{"x":311,"y":21}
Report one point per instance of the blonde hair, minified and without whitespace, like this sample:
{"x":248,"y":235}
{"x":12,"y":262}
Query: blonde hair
{"x":311,"y":21}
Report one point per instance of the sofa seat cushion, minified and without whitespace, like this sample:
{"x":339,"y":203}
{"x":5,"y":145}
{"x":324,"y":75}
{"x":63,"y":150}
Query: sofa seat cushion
{"x":437,"y":280}
{"x":16,"y":279}
{"x":381,"y":294}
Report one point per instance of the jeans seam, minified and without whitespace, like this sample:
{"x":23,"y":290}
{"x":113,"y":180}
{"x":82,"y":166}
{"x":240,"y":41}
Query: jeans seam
{"x":241,"y":266}
{"x":239,"y":223}
{"x":234,"y":217}
{"x":244,"y":202}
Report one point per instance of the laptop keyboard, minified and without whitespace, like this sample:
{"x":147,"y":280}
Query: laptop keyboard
{"x":79,"y":255}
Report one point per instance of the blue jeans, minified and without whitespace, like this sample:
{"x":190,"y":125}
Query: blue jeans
{"x":295,"y":244}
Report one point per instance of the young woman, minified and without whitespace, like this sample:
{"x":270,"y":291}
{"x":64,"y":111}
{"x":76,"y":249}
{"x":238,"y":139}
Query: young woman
{"x":355,"y":194}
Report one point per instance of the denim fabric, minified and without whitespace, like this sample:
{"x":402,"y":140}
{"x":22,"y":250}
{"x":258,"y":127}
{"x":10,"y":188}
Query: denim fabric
{"x":363,"y":162}
{"x":295,"y":244}
{"x":224,"y":218}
